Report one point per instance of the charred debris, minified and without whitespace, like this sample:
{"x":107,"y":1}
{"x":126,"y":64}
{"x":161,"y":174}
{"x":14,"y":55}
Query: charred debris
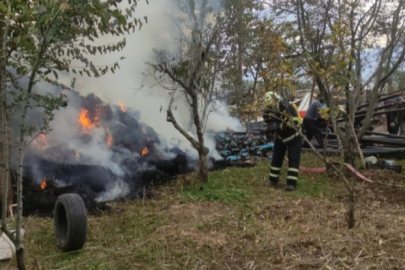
{"x":131,"y":158}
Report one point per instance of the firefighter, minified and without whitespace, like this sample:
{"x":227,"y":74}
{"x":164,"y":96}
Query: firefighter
{"x":283,"y":119}
{"x":312,"y":116}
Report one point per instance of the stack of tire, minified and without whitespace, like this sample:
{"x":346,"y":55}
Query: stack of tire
{"x":239,"y":146}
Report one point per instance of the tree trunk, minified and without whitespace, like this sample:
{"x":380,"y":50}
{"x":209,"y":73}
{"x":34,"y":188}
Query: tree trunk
{"x":20,"y":259}
{"x":350,"y":154}
{"x":351,"y":221}
{"x":5,"y":179}
{"x":349,"y":144}
{"x":19,"y":239}
{"x":6,"y":193}
{"x":203,"y":165}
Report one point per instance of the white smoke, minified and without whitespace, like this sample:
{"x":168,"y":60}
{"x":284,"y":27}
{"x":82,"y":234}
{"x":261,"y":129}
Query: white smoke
{"x":116,"y":189}
{"x":65,"y":131}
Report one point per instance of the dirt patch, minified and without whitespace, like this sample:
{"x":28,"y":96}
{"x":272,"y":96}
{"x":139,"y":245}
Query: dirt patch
{"x":194,"y":212}
{"x":186,"y":233}
{"x":295,"y":233}
{"x":312,"y":234}
{"x":189,"y":222}
{"x":387,"y":188}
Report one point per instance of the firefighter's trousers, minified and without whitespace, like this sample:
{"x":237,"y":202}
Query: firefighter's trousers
{"x":294,"y":156}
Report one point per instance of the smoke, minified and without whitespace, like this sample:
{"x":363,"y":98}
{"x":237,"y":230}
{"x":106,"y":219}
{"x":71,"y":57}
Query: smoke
{"x":130,"y":86}
{"x":117,"y":189}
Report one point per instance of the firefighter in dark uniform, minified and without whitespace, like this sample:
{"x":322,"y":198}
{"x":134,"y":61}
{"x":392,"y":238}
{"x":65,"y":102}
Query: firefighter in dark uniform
{"x":283,"y":119}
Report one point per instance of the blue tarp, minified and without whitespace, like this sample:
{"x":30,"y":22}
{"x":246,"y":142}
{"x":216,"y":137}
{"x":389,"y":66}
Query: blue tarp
{"x":233,"y":158}
{"x":266,"y":146}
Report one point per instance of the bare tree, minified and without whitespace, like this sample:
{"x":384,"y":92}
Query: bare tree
{"x":195,"y":77}
{"x":341,"y":46}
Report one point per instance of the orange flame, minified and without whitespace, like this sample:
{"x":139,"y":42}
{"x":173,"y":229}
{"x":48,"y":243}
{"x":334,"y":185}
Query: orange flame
{"x":42,"y":186}
{"x":109,"y":137}
{"x":145,"y":151}
{"x":122,"y":107}
{"x":85,"y":121}
{"x":41,"y":142}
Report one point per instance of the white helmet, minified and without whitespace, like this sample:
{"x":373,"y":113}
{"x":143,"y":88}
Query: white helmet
{"x":271,"y":98}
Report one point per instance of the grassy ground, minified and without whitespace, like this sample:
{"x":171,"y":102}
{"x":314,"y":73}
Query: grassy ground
{"x":237,"y":222}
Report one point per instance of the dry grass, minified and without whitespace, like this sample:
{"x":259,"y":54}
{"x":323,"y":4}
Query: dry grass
{"x":236,"y":222}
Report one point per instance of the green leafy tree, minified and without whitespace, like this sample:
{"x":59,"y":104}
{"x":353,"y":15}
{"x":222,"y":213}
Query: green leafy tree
{"x":242,"y":64}
{"x":254,"y":51}
{"x":257,"y":59}
{"x":40,"y":39}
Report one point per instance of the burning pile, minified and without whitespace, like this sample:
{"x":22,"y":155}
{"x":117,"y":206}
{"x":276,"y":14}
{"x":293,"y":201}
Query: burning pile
{"x":99,"y":151}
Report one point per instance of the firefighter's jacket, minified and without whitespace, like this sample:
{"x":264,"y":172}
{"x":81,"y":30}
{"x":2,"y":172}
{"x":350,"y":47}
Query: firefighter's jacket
{"x":281,"y":122}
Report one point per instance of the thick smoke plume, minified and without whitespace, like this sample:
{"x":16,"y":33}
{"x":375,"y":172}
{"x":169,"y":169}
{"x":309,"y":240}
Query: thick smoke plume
{"x":124,"y":85}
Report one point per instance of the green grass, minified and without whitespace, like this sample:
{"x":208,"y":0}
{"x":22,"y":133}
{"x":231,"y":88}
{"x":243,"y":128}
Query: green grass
{"x":228,"y":186}
{"x":240,"y":185}
{"x":315,"y":186}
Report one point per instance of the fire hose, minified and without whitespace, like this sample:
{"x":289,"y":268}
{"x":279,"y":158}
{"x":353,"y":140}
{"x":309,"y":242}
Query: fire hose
{"x":323,"y":169}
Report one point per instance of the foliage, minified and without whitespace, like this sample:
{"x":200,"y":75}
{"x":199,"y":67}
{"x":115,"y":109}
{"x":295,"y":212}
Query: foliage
{"x":63,"y":31}
{"x":254,"y":57}
{"x":39,"y":40}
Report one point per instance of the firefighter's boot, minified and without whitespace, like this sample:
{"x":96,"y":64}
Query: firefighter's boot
{"x":292,"y":177}
{"x":274,"y":175}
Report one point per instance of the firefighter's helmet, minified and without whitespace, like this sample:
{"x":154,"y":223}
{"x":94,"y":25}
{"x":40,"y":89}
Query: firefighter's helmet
{"x":271,"y":98}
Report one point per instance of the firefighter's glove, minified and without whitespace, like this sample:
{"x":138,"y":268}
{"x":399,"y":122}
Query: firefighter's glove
{"x":324,"y":112}
{"x":268,"y":116}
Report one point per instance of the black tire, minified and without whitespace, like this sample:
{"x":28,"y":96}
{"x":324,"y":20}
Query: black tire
{"x":70,"y":217}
